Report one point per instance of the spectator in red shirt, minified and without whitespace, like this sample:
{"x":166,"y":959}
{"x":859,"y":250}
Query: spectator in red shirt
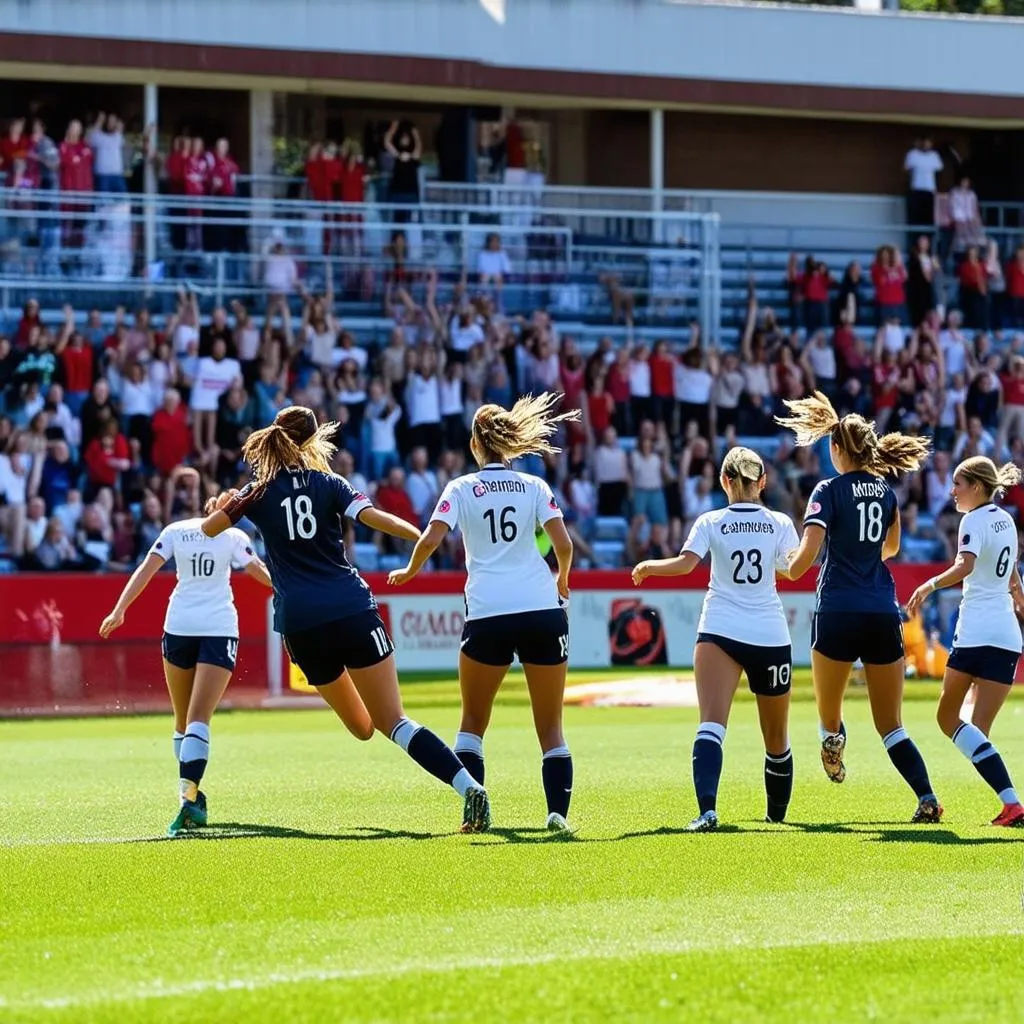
{"x":1015,"y":288}
{"x":886,"y":378}
{"x":105,"y":457}
{"x":172,"y":438}
{"x":29,"y":321}
{"x":663,"y":368}
{"x":14,"y":153}
{"x":223,"y":182}
{"x":175,"y":168}
{"x":973,"y":290}
{"x":77,"y":361}
{"x":600,"y":405}
{"x":75,"y":175}
{"x":1011,"y":415}
{"x":392,"y":497}
{"x":352,"y":189}
{"x":808,"y":293}
{"x":889,"y":276}
{"x":617,"y":385}
{"x":197,"y":176}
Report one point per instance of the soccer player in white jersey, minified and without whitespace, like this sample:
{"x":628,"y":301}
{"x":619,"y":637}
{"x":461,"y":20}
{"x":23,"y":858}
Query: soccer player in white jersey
{"x":742,"y":628}
{"x":200,"y":641}
{"x":514,"y":606}
{"x":987,"y":642}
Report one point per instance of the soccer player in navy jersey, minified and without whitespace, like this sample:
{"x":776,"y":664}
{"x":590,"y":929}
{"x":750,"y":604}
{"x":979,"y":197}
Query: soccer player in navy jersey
{"x":322,"y":606}
{"x":856,"y":517}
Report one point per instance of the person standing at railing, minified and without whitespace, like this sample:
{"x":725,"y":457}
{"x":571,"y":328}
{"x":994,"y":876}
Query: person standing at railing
{"x":76,"y":175}
{"x":197,"y":176}
{"x":352,"y":189}
{"x":402,"y":142}
{"x":922,"y":164}
{"x":280,"y":277}
{"x":174,"y":168}
{"x":106,"y":137}
{"x":223,"y":184}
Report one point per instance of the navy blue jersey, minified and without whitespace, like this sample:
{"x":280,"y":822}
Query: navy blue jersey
{"x":299,"y":515}
{"x":856,"y":511}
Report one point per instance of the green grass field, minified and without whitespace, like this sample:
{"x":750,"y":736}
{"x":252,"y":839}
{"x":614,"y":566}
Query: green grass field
{"x":336,"y":889}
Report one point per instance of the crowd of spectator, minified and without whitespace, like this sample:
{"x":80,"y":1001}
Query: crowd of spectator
{"x":111,"y":429}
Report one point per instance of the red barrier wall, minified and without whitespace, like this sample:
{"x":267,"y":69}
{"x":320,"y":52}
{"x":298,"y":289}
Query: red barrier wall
{"x":52,"y":659}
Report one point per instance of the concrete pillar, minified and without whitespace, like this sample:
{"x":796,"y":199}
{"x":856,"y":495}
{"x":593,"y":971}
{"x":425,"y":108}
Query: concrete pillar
{"x":657,"y":168}
{"x":151,"y":121}
{"x":261,"y":135}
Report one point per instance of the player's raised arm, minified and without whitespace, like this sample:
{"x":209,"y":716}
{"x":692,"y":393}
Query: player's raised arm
{"x":137,"y":583}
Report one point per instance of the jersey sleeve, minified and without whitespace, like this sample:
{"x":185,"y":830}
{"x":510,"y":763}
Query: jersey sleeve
{"x":241,"y":551}
{"x":447,"y":508}
{"x":699,"y":540}
{"x":819,"y":506}
{"x":789,"y":541}
{"x":350,"y":501}
{"x":237,"y":507}
{"x":969,"y":538}
{"x":547,"y":505}
{"x":163,"y":546}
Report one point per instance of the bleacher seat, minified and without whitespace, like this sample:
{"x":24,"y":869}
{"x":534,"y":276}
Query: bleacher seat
{"x":610,"y":528}
{"x":366,"y":557}
{"x":608,"y":554}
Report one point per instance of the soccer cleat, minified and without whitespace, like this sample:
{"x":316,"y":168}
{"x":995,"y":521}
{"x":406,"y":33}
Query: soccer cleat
{"x":558,"y":824}
{"x":775,"y":819}
{"x":707,"y":822}
{"x":190,"y":815}
{"x":476,"y":813}
{"x":832,"y":748}
{"x":929,"y":812}
{"x":1012,"y":815}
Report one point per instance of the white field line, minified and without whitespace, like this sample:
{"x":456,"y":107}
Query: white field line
{"x":273,"y":979}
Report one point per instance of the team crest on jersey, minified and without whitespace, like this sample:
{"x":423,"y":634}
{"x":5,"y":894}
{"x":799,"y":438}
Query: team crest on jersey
{"x":248,"y":551}
{"x":967,"y":539}
{"x":553,"y":504}
{"x":445,"y":506}
{"x":479,"y":491}
{"x":360,"y":496}
{"x":813,"y":508}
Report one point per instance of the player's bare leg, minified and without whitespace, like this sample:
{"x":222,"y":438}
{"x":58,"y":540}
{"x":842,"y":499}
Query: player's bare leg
{"x":546,"y":684}
{"x":346,"y":703}
{"x":717,"y":677}
{"x":830,"y":680}
{"x":885,"y":694}
{"x":479,"y":684}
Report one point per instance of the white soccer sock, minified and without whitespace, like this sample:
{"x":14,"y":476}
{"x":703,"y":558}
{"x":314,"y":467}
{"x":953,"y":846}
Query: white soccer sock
{"x":178,"y":737}
{"x":470,"y":743}
{"x":404,"y":731}
{"x":464,"y":782}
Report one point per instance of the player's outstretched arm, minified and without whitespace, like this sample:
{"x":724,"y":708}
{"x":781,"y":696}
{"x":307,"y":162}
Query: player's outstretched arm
{"x":682,"y":565}
{"x":803,"y":558}
{"x":137,"y":583}
{"x":385,"y":522}
{"x":429,"y":541}
{"x":956,"y":573}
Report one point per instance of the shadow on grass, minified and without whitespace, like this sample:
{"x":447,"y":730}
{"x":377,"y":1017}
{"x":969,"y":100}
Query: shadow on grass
{"x":242,"y":830}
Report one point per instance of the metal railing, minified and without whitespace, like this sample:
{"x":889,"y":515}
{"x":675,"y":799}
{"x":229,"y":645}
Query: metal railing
{"x":123,"y":248}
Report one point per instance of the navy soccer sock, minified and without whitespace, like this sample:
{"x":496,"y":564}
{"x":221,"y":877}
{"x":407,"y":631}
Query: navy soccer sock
{"x":707,"y":764}
{"x":778,"y":783}
{"x":980,"y":751}
{"x":469,"y":749}
{"x":907,"y":760}
{"x":432,"y":754}
{"x":556,"y":772}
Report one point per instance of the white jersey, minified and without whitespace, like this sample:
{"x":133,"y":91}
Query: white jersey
{"x":202,"y":603}
{"x":498,"y":512}
{"x":986,"y":617}
{"x":748,"y":543}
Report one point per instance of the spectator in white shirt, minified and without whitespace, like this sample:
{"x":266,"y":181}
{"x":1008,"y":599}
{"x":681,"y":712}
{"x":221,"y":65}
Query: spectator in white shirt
{"x":956,"y":350}
{"x":35,"y":525}
{"x":214,"y":375}
{"x":611,"y":474}
{"x":648,"y":477}
{"x":382,"y":413}
{"x":641,"y":406}
{"x":492,"y":262}
{"x":423,"y":400}
{"x":421,"y":485}
{"x":922,"y":164}
{"x":465,"y":332}
{"x":966,"y":216}
{"x":938,"y":483}
{"x":106,"y":138}
{"x":138,"y":405}
{"x":280,"y":276}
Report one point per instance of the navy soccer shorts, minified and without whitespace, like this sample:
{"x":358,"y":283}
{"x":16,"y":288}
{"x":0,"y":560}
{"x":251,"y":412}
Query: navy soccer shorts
{"x":324,"y":652}
{"x":995,"y":664}
{"x":769,"y":670}
{"x":871,"y":637}
{"x":188,"y":651}
{"x":536,"y":638}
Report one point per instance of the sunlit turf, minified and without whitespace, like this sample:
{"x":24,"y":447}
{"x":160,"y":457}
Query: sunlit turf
{"x":335,"y":887}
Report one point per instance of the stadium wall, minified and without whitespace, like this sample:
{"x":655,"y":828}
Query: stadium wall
{"x":52,"y":661}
